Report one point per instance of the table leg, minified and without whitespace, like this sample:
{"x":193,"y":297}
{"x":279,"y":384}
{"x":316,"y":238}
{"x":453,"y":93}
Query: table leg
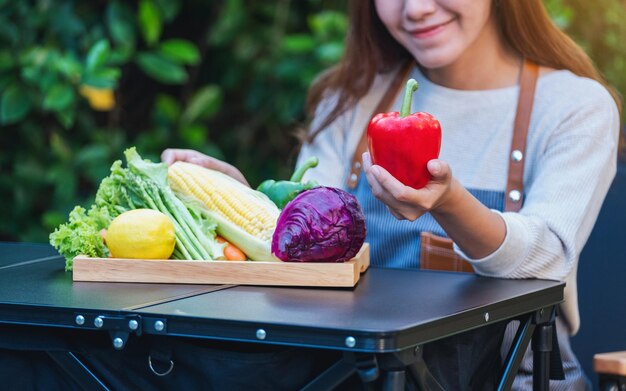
{"x":516,"y":353}
{"x":365,"y":364}
{"x":394,"y":380}
{"x":333,"y":376}
{"x":392,"y":367}
{"x":542,"y":346}
{"x":75,"y":368}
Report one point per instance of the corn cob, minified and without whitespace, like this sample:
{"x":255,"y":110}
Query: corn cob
{"x":246,"y":217}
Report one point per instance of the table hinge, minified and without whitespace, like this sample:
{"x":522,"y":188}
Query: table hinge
{"x":118,"y":326}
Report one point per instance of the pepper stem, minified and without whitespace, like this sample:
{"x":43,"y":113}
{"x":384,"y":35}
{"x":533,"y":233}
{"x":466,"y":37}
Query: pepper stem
{"x":299,"y":173}
{"x":411,"y":87}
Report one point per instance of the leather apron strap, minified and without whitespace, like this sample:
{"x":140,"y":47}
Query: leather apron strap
{"x":515,"y":179}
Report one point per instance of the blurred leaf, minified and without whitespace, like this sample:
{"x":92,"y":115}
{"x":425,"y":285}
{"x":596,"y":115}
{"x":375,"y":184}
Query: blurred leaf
{"x":97,"y":55}
{"x":194,"y":135}
{"x":65,"y":22}
{"x":121,"y":55}
{"x":228,"y":23}
{"x":31,"y":74}
{"x":66,"y":117}
{"x":58,"y":97}
{"x":9,"y":32}
{"x":15,"y":104}
{"x":560,"y":13}
{"x":52,"y":219}
{"x":65,"y":185}
{"x":94,"y":159}
{"x":60,"y":148}
{"x":330,"y":52}
{"x":328,"y":24}
{"x":120,"y":22}
{"x":166,"y":109}
{"x":69,"y":66}
{"x":33,"y":56}
{"x":204,"y":104}
{"x":298,"y":43}
{"x":161,"y":69}
{"x":5,"y":80}
{"x":104,"y":78}
{"x":180,"y":51}
{"x":6,"y":60}
{"x":150,"y":21}
{"x":169,"y":8}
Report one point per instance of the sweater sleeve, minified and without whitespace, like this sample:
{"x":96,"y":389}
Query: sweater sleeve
{"x":563,"y":198}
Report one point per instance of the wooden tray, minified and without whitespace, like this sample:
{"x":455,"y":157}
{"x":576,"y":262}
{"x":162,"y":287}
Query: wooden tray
{"x":223,"y":272}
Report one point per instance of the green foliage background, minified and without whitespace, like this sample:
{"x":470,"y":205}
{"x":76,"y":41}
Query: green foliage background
{"x":228,"y":78}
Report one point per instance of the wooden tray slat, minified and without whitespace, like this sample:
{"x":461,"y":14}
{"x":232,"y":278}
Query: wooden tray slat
{"x":222,"y":272}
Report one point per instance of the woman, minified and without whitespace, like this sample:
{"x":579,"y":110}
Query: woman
{"x":469,"y":55}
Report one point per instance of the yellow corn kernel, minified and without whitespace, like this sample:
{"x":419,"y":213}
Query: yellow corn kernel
{"x":247,"y":208}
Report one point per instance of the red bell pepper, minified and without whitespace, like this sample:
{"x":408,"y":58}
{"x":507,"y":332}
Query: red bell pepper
{"x":403,"y":143}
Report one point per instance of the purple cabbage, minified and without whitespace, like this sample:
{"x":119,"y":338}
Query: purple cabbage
{"x":323,"y":224}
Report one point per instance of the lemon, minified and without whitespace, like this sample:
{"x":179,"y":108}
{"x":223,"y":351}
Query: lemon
{"x":141,"y":234}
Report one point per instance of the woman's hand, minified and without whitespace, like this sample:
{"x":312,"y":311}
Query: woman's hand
{"x":170,"y":156}
{"x":404,"y":202}
{"x":476,"y":229}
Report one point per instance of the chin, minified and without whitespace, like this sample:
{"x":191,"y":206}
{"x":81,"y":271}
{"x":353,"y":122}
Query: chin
{"x":436,"y":58}
{"x":434,"y":62}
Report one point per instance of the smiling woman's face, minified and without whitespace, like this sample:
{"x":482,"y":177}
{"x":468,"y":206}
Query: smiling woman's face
{"x":437,"y":32}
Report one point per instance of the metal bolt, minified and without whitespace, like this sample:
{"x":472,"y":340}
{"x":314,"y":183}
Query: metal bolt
{"x":80,"y":320}
{"x":486,"y":316}
{"x":261,"y":334}
{"x":98,"y":322}
{"x":350,"y":342}
{"x":132,"y":324}
{"x":118,"y":343}
{"x":517,"y":155}
{"x":357,"y":165}
{"x":159,"y":326}
{"x":353,"y":177}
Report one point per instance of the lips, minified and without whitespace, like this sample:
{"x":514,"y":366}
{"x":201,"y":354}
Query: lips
{"x":430,"y":30}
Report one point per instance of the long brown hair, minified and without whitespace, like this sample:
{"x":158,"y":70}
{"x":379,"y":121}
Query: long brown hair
{"x":525,"y":26}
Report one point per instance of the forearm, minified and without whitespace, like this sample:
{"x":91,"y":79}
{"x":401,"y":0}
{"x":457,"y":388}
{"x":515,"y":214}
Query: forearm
{"x":476,"y":229}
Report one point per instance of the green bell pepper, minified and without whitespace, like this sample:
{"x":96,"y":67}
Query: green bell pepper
{"x":281,"y":192}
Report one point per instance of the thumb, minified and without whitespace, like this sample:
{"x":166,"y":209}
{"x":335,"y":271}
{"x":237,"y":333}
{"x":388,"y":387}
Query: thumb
{"x":439,"y":170}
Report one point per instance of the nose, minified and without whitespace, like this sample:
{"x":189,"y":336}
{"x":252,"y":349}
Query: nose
{"x":418,"y":9}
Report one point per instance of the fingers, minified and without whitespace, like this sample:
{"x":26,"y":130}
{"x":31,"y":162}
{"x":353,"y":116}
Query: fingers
{"x":403,"y":202}
{"x":439,"y":169}
{"x":371,"y":174}
{"x":218,"y":165}
{"x":381,"y":180}
{"x":171,"y":155}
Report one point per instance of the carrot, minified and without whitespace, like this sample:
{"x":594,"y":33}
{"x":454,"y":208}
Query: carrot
{"x":231,"y":252}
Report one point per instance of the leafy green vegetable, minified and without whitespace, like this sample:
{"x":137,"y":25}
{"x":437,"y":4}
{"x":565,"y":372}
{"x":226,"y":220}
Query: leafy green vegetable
{"x":81,"y":234}
{"x":142,"y":184}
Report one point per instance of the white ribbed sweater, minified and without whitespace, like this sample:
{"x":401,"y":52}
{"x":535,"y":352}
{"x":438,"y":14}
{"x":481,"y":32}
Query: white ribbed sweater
{"x":570,"y":162}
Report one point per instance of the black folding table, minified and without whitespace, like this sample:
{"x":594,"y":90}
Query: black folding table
{"x":380,"y":325}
